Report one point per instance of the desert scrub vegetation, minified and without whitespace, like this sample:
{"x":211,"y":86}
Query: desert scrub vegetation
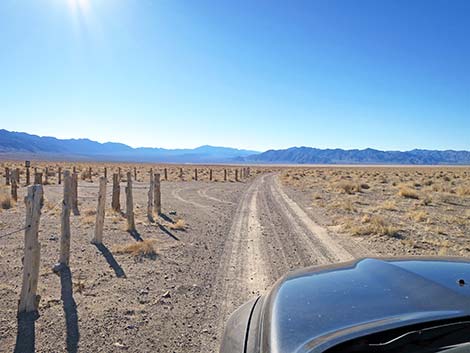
{"x":5,"y":201}
{"x":418,"y":210}
{"x":143,"y":248}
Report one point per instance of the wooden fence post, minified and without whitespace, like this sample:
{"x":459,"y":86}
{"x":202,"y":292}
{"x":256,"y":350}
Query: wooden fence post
{"x":195,"y":174}
{"x":74,"y":194}
{"x":46,"y":176}
{"x":100,"y":213}
{"x":129,"y":205}
{"x":7,"y":176}
{"x":181,"y":173}
{"x":157,"y":199}
{"x":29,"y":301}
{"x":105,"y":172}
{"x":59,"y":176}
{"x":119,"y":173}
{"x":115,"y":202}
{"x":64,"y":257}
{"x":236,"y":174}
{"x":135,"y":173}
{"x":14,"y":185}
{"x":28,"y":176}
{"x":150,"y":197}
{"x":225,"y":174}
{"x":210,"y":174}
{"x":166,"y":174}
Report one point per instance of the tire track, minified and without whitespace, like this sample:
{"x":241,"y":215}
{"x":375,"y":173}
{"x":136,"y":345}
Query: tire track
{"x":203,"y":194}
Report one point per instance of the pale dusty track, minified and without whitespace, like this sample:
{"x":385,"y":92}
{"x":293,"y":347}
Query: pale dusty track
{"x":270,"y":235}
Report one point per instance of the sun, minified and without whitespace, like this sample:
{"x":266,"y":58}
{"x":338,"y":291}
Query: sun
{"x":80,"y":5}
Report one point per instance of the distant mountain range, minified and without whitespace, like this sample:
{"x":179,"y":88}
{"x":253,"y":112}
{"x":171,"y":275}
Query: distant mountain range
{"x":308,"y":155}
{"x":23,"y":145}
{"x":20,"y":143}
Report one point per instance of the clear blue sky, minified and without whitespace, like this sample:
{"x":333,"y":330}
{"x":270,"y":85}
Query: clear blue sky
{"x":387,"y":74}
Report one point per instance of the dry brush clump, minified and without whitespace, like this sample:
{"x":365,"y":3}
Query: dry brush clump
{"x":6,"y":201}
{"x":408,"y":193}
{"x":143,"y":248}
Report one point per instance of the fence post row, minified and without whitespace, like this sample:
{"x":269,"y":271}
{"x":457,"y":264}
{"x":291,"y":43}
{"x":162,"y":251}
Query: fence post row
{"x":129,"y":205}
{"x":29,"y":301}
{"x":100,"y":212}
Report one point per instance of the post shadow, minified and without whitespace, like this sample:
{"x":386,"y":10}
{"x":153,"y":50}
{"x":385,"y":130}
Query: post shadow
{"x":70,"y":310}
{"x":136,"y":235}
{"x":26,"y":336}
{"x":167,"y":232}
{"x":111,"y":260}
{"x":166,"y":218}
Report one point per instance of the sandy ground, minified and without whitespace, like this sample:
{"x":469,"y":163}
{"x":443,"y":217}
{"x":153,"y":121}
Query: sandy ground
{"x":240,"y":238}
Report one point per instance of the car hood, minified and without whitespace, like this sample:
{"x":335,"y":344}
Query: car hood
{"x":316,"y":308}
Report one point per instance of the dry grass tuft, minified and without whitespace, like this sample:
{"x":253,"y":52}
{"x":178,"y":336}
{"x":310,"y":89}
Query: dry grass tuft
{"x":375,"y":225}
{"x":5,"y":201}
{"x":408,"y":193}
{"x":143,"y":248}
{"x":180,"y":224}
{"x":418,"y":216}
{"x":349,"y":187}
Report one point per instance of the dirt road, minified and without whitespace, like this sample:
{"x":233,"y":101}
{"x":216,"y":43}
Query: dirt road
{"x":241,"y":238}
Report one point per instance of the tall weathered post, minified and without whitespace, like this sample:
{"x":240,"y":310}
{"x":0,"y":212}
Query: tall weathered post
{"x":29,"y":301}
{"x":46,"y":176}
{"x":236,"y":174}
{"x":64,"y":258}
{"x":130,"y":205}
{"x":100,"y":213}
{"x":195,"y":174}
{"x":115,"y":202}
{"x":59,"y":176}
{"x":210,"y":174}
{"x":157,"y":199}
{"x":7,"y":176}
{"x":181,"y":173}
{"x":27,"y":165}
{"x":14,"y":185}
{"x":74,"y":194}
{"x":38,"y":178}
{"x":166,"y":174}
{"x":225,"y":174}
{"x":151,"y":192}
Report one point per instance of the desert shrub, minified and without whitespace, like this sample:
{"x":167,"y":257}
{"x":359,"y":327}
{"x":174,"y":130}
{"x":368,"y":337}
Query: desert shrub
{"x":375,"y":225}
{"x":180,"y":224}
{"x":349,"y":187}
{"x":418,"y":216}
{"x":408,"y":193}
{"x":143,"y":248}
{"x":464,"y":191}
{"x":5,"y":201}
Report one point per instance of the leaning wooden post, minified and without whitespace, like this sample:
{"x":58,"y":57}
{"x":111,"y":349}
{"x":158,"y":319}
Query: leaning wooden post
{"x":157,"y":199}
{"x":195,"y":174}
{"x":7,"y":176}
{"x":150,"y":197}
{"x":166,"y":174}
{"x":74,"y":194}
{"x":210,"y":174}
{"x":115,"y":202}
{"x":225,"y":174}
{"x":129,"y":205}
{"x":64,"y":258}
{"x":100,"y":212}
{"x":29,"y":301}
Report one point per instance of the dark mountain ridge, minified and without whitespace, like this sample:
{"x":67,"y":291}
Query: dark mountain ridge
{"x":309,"y":155}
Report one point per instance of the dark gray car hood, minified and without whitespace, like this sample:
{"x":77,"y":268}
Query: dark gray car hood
{"x":317,"y":308}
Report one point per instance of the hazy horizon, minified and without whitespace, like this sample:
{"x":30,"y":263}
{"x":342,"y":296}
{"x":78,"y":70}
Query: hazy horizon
{"x":388,"y":75}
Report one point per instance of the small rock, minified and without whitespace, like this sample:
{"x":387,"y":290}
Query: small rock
{"x":166,"y":294}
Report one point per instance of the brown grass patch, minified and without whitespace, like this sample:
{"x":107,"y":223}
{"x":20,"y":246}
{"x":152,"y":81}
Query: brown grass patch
{"x":180,"y":224}
{"x":143,"y":248}
{"x":408,"y":193}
